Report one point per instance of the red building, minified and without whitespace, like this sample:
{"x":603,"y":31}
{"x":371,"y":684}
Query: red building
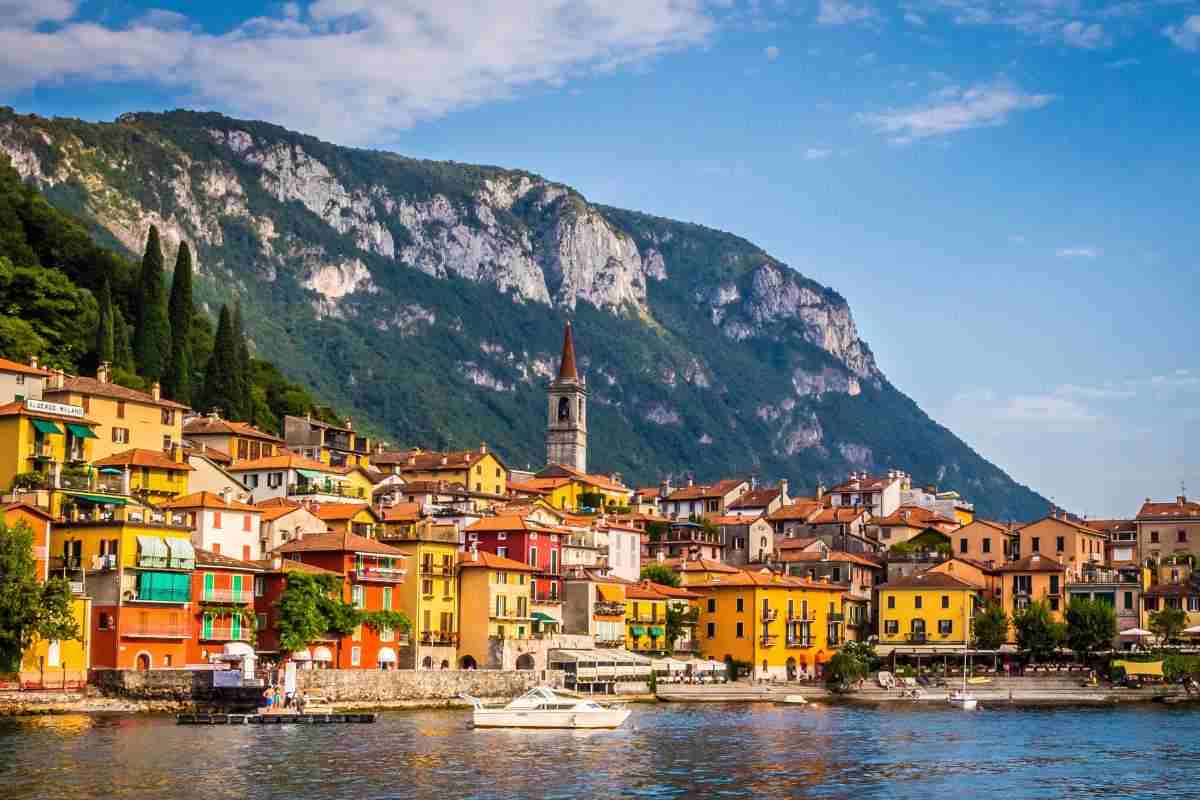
{"x":223,"y":604}
{"x":526,"y":541}
{"x":372,"y":574}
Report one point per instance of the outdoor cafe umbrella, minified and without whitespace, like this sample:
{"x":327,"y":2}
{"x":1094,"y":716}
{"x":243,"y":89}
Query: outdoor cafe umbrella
{"x":1139,"y":632}
{"x":1192,"y":631}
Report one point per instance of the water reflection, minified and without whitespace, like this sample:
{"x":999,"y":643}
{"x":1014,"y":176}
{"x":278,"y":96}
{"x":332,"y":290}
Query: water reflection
{"x":663,"y":752}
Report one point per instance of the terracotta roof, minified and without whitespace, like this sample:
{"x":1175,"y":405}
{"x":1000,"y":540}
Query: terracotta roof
{"x":671,"y":592}
{"x":757,"y":498}
{"x":834,"y":555}
{"x":799,"y":509}
{"x":1111,"y":525}
{"x":734,"y":520}
{"x":566,"y":366}
{"x":207,"y":558}
{"x":333,"y":512}
{"x":928,"y":580}
{"x":278,"y":501}
{"x":1070,"y":523}
{"x":867,"y":484}
{"x":1034,"y":562}
{"x":208,"y":500}
{"x":288,"y":460}
{"x":22,"y":369}
{"x":206,"y":426}
{"x":591,"y":478}
{"x":914,"y":517}
{"x":272,"y":513}
{"x":842,"y":514}
{"x":94,"y":387}
{"x":402,"y":511}
{"x":795,"y":544}
{"x":643,"y":591}
{"x":290,"y":565}
{"x":482,"y":558}
{"x":693,"y":565}
{"x":1000,"y":526}
{"x":432,"y":460}
{"x":213,"y":454}
{"x":1171,"y":590}
{"x":766,"y":578}
{"x":338,"y":543}
{"x":508,"y":522}
{"x":17,"y":407}
{"x":137,"y":457}
{"x":718,"y":489}
{"x":528,"y":487}
{"x":1176,"y":510}
{"x":29,"y":509}
{"x":648,"y":493}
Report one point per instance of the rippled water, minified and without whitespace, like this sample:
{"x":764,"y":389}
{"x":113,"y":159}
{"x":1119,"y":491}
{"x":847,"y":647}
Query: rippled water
{"x":664,"y":751}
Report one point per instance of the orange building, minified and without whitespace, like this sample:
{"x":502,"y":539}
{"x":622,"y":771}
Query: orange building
{"x":1070,"y":543}
{"x":222,"y":604}
{"x":1033,"y":579}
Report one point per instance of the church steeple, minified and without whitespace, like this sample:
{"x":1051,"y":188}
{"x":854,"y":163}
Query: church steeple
{"x":566,"y":413}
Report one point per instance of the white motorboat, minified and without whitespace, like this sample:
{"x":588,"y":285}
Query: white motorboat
{"x":542,"y":707}
{"x":794,"y":700}
{"x":963,"y":699}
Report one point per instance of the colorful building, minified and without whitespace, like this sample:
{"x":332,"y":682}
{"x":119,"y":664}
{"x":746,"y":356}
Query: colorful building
{"x":430,"y":594}
{"x":928,"y":609}
{"x":1036,"y":578}
{"x":495,"y":605}
{"x":333,"y":445}
{"x":1168,"y":529}
{"x":569,"y":489}
{"x":595,"y":607}
{"x":984,"y":540}
{"x":294,"y":477}
{"x":223,"y":605}
{"x":777,"y":627}
{"x":645,"y":620}
{"x":151,"y":475}
{"x":48,"y":444}
{"x":480,"y":471}
{"x":240,"y":441}
{"x":708,"y":500}
{"x":527,"y":541}
{"x":21,"y":381}
{"x":281,"y":522}
{"x":356,"y":518}
{"x":225,"y":527}
{"x":1063,"y":540}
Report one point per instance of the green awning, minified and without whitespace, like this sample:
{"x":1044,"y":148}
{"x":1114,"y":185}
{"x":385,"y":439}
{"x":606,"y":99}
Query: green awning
{"x":98,"y":499}
{"x":47,"y":427}
{"x":153,"y":547}
{"x":637,"y":630}
{"x":656,"y":631}
{"x":82,"y":431}
{"x":539,"y":616}
{"x":111,"y":471}
{"x":311,"y":474}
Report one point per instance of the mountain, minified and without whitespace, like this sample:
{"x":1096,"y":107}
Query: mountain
{"x":428,"y":299}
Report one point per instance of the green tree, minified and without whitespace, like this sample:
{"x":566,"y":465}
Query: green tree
{"x":677,"y":613}
{"x":245,"y":381}
{"x":1038,"y":634}
{"x":311,"y":608}
{"x":18,"y":339}
{"x":58,"y":311}
{"x":105,"y":341}
{"x":29,"y":608}
{"x":178,"y":383}
{"x":1168,"y":623}
{"x":1091,"y":626}
{"x":122,"y":344}
{"x":991,"y":627}
{"x":222,"y":386}
{"x":152,"y":333}
{"x":660,"y":573}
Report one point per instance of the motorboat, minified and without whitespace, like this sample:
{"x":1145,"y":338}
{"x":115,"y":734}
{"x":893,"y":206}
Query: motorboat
{"x":542,"y":707}
{"x":963,"y":699}
{"x":794,"y":700}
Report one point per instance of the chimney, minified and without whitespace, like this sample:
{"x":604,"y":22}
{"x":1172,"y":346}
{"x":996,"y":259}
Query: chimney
{"x":349,"y":424}
{"x":102,"y":372}
{"x":156,"y":391}
{"x":474,"y":551}
{"x":1181,"y":499}
{"x":33,"y":361}
{"x":690,"y":481}
{"x":820,"y":490}
{"x":483,"y":448}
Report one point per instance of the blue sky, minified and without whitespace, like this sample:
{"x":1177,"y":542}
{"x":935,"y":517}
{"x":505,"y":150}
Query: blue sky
{"x":1004,"y":190}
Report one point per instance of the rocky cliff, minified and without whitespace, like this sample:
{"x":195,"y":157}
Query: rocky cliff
{"x":427,"y":297}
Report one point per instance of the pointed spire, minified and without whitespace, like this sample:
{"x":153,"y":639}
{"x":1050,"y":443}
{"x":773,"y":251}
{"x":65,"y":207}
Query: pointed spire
{"x":566,"y":369}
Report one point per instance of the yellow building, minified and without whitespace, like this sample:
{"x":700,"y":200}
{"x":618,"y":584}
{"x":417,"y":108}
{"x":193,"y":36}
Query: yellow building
{"x":930,"y":608}
{"x":495,"y":598}
{"x":337,"y":446}
{"x":645,"y":620}
{"x":357,"y":481}
{"x":571,"y":490}
{"x":40,"y":440}
{"x":153,"y":476}
{"x":779,"y":627}
{"x":356,"y":518}
{"x":429,"y":595}
{"x":126,"y":418}
{"x":480,"y":471}
{"x":238,"y":440}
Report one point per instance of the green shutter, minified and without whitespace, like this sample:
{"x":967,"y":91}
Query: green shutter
{"x":209,"y":581}
{"x":206,"y":630}
{"x":235,"y":627}
{"x":237,"y":588}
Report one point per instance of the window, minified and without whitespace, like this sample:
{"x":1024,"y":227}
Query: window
{"x":1054,"y":604}
{"x":86,"y":402}
{"x":502,"y":552}
{"x":355,"y":656}
{"x":741,"y":605}
{"x":1035,"y":545}
{"x":1182,"y":536}
{"x":387,"y":598}
{"x":246,"y":522}
{"x":1193,"y":604}
{"x":106,"y":621}
{"x":260,"y":585}
{"x":245,"y":552}
{"x":533,"y":557}
{"x":1153,"y":537}
{"x":837,"y":575}
{"x":357,"y":596}
{"x":1060,"y":544}
{"x":987,"y":545}
{"x":917,"y":601}
{"x":712,"y":605}
{"x":891,"y":627}
{"x":711,"y":630}
{"x":891,"y":601}
{"x":120,"y":409}
{"x":20,"y":380}
{"x":1128,"y":604}
{"x":427,"y":586}
{"x":741,"y":633}
{"x":120,"y":435}
{"x":1053,"y":584}
{"x":945,"y":601}
{"x":167,"y":444}
{"x":945,"y":627}
{"x":274,"y":480}
{"x":168,"y":416}
{"x":217,"y":520}
{"x":962,"y":545}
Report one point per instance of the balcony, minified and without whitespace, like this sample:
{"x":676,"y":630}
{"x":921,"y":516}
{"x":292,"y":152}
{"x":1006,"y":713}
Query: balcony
{"x":687,"y":646}
{"x":800,"y":641}
{"x":511,"y":614}
{"x":546,"y":597}
{"x":380,"y":574}
{"x":1106,"y":576}
{"x":439,"y":638}
{"x":446,"y":534}
{"x":241,"y":597}
{"x":691,"y":616}
{"x":609,"y":610}
{"x":121,"y":515}
{"x":610,"y":642}
{"x":800,"y":618}
{"x":770,"y":615}
{"x":918,"y":638}
{"x":153,"y":630}
{"x":768,"y":639}
{"x":437,"y":570}
{"x":837,"y":616}
{"x":225,"y":633}
{"x":326,"y":490}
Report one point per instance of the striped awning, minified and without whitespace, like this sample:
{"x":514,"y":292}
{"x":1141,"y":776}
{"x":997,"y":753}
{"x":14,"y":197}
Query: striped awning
{"x":637,"y":630}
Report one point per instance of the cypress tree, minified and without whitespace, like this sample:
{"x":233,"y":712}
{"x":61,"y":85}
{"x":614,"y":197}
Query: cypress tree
{"x":105,"y":338}
{"x":178,"y":383}
{"x":221,"y":382}
{"x":244,"y":378}
{"x":122,"y":349}
{"x":152,"y":335}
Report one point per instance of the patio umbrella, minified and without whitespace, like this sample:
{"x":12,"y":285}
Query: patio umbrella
{"x":1136,"y":632}
{"x":1192,"y":631}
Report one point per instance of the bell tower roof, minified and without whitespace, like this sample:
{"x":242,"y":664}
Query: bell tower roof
{"x":566,"y":367}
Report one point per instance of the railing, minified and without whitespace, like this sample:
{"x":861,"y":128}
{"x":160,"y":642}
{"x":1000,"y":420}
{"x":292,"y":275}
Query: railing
{"x":511,"y":613}
{"x":183,"y":595}
{"x":104,"y":563}
{"x":225,"y":633}
{"x":610,"y":609}
{"x":76,"y":587}
{"x":436,"y":569}
{"x":68,"y":563}
{"x":163,"y":562}
{"x":439,"y":638}
{"x":388,"y":574}
{"x":812,"y":617}
{"x":799,"y":641}
{"x":158,"y":631}
{"x":690,"y":617}
{"x":610,"y":642}
{"x":41,"y":453}
{"x":226,"y":596}
{"x":918,"y":638}
{"x":330,"y":489}
{"x":95,"y":515}
{"x":544,"y":597}
{"x":1107,"y":576}
{"x":837,"y":616}
{"x":687,"y":646}
{"x":74,"y":482}
{"x":768,"y":639}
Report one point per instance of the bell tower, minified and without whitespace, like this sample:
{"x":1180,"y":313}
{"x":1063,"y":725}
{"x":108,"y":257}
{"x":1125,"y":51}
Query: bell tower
{"x":566,"y":420}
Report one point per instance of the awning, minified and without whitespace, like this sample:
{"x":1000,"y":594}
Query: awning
{"x":386,"y":656}
{"x":302,"y":655}
{"x":609,"y":594}
{"x":1152,"y":668}
{"x":47,"y":427}
{"x":637,"y":630}
{"x":655,"y":630}
{"x":99,"y":499}
{"x":82,"y":431}
{"x":111,"y":471}
{"x":311,"y":474}
{"x":181,"y":549}
{"x":153,"y":547}
{"x":539,"y":616}
{"x":237,"y":649}
{"x":322,"y":653}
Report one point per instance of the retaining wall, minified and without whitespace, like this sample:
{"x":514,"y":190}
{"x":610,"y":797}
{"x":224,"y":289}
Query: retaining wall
{"x":365,"y":686}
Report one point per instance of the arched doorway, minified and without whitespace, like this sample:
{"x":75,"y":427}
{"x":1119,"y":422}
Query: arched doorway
{"x":143,"y":661}
{"x":467,"y":662}
{"x":791,"y":669}
{"x":766,"y":670}
{"x":525,"y":661}
{"x":427,"y":662}
{"x":445,"y":664}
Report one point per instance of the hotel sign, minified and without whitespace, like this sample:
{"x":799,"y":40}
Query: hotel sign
{"x":43,"y":407}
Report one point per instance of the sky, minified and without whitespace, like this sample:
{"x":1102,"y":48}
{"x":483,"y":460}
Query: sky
{"x":1005,"y":191}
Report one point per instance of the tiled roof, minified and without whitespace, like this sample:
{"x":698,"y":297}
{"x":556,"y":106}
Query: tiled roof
{"x":1177,"y":510}
{"x":402,"y":511}
{"x":529,"y":487}
{"x":482,"y":558}
{"x":213,"y":454}
{"x":28,"y":508}
{"x":692,"y":565}
{"x":207,"y":558}
{"x":718,"y":489}
{"x":17,"y":407}
{"x":434,"y":461}
{"x":867,"y":484}
{"x":757,"y":498}
{"x":137,"y":457}
{"x":22,"y":369}
{"x":1033,"y":563}
{"x":208,"y":500}
{"x":833,"y":556}
{"x":116,"y":391}
{"x":338,"y":543}
{"x":734,"y":520}
{"x":509,"y":522}
{"x":205,"y":426}
{"x":277,"y":501}
{"x":334,"y":512}
{"x":831,"y":516}
{"x":672,"y":592}
{"x":272,"y":513}
{"x":1112,"y":525}
{"x":928,"y":580}
{"x":914,"y":517}
{"x":288,"y":460}
{"x":798,"y":510}
{"x":768,"y":579}
{"x":592,"y":479}
{"x":795,"y":544}
{"x":1070,"y":523}
{"x":290,"y":565}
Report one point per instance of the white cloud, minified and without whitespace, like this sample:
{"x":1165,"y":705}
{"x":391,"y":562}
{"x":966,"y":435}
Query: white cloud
{"x":955,"y":109}
{"x":1084,"y":36}
{"x":817,"y":153}
{"x":1016,"y":238}
{"x":1047,"y":412}
{"x":1186,"y":34}
{"x":1122,"y":63}
{"x":353,"y":70}
{"x":772,"y":52}
{"x":913,"y":18}
{"x":1079,"y":252}
{"x":843,"y":12}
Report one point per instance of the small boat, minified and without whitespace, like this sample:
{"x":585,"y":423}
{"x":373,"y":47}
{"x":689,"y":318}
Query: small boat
{"x":794,"y":699}
{"x":542,"y":707}
{"x":963,"y":699}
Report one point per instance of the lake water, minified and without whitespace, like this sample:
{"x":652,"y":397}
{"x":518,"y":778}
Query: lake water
{"x":664,"y":751}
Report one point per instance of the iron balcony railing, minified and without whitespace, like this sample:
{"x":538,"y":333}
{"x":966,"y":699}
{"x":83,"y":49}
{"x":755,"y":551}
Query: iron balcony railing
{"x":836,"y":616}
{"x":770,"y":615}
{"x":428,"y":568}
{"x":225,"y":633}
{"x":918,"y":638}
{"x":153,"y":630}
{"x":768,"y":639}
{"x":240,"y":596}
{"x":439,"y":638}
{"x":329,"y":489}
{"x":799,"y":641}
{"x":610,"y":609}
{"x":385,"y":574}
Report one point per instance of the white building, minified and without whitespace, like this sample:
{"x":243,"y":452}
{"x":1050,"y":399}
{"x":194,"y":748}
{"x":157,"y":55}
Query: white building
{"x":293,"y":477}
{"x":624,"y":551}
{"x":21,"y":381}
{"x":224,"y":527}
{"x":880,"y":495}
{"x":282,"y":523}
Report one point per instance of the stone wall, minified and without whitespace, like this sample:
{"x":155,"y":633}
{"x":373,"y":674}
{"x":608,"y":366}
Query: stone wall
{"x":366,"y":685}
{"x":171,"y":686}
